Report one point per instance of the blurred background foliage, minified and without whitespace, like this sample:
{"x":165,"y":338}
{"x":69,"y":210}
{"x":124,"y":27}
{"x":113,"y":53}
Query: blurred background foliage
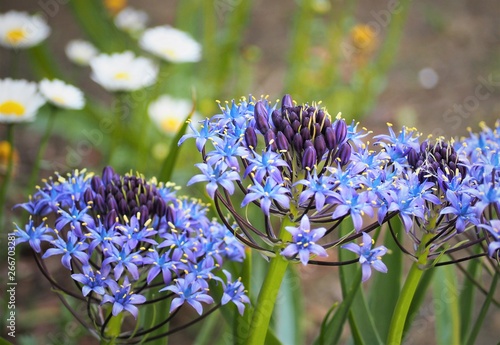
{"x":416,"y":64}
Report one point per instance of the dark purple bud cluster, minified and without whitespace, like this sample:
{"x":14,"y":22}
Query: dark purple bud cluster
{"x":305,"y":131}
{"x":124,"y":196}
{"x":439,"y":158}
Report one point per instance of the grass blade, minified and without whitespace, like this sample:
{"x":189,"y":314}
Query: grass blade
{"x":446,"y":307}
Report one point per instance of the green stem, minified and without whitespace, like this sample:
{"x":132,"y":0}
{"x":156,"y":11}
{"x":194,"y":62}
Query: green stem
{"x":269,"y":291}
{"x":42,"y":147}
{"x":8,"y":173}
{"x":113,"y":330}
{"x":118,"y":115}
{"x":405,"y":298}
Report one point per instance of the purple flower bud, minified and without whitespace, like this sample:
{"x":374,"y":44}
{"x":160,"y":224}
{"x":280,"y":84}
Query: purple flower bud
{"x":123,"y":207}
{"x":270,"y":139}
{"x":250,"y":138}
{"x":308,"y":143}
{"x":276,"y":118}
{"x":293,"y":117}
{"x":423,"y":146}
{"x":320,"y":115}
{"x":305,"y":133}
{"x":169,"y":214}
{"x":345,"y":153}
{"x":261,"y":117}
{"x":88,"y":196}
{"x":95,"y":183}
{"x":320,"y":145}
{"x":281,"y":142}
{"x":110,"y":219}
{"x":309,"y":158}
{"x":99,"y":204}
{"x":159,"y":207}
{"x":143,"y":210}
{"x":111,"y":203}
{"x":289,"y":133}
{"x":412,"y":157}
{"x":330,"y":139}
{"x":295,"y":126}
{"x":108,"y":174}
{"x":297,"y":142}
{"x":286,"y":102}
{"x":340,"y":131}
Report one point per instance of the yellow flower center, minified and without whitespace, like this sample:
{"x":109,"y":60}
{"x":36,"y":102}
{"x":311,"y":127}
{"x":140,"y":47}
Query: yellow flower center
{"x":170,"y":52}
{"x":170,"y":125}
{"x":115,"y":6}
{"x":58,"y":100}
{"x":12,"y":108}
{"x":16,"y":35}
{"x":122,"y":76}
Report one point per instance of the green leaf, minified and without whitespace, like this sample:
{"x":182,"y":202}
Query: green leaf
{"x":446,"y":306}
{"x":418,"y":298}
{"x":289,"y":309}
{"x":482,"y":314}
{"x":467,"y":298}
{"x":168,"y":165}
{"x":3,"y":341}
{"x":390,"y":283}
{"x":331,"y":327}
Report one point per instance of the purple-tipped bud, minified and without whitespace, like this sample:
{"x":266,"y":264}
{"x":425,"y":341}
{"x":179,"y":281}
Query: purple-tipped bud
{"x":295,"y":126}
{"x":293,"y":117}
{"x":305,"y":133}
{"x":320,"y":146}
{"x":107,"y":174}
{"x":281,"y":142}
{"x":95,"y":183}
{"x":308,"y":143}
{"x":159,"y":207}
{"x":276,"y":118}
{"x":423,"y":146}
{"x":270,"y":139}
{"x":327,"y":123}
{"x":111,"y":203}
{"x":143,"y":199}
{"x":345,"y":153}
{"x":123,"y":207}
{"x":250,"y":138}
{"x":286,"y":102}
{"x":99,"y":204}
{"x":340,"y":131}
{"x":110,"y":219}
{"x":330,"y":139}
{"x":261,"y":124}
{"x":143,"y":210}
{"x":169,"y":214}
{"x":88,"y":195}
{"x":297,"y":142}
{"x":320,"y":115}
{"x":289,"y":133}
{"x":261,"y":117}
{"x":413,"y":157}
{"x":309,"y":158}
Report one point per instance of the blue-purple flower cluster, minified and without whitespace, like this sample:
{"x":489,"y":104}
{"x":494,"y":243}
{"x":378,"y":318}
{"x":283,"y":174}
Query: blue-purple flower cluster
{"x":121,"y":236}
{"x":296,"y":162}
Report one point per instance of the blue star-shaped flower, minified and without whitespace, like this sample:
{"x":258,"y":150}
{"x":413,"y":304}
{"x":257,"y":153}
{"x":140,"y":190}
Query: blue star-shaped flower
{"x":304,"y":241}
{"x":368,"y":257}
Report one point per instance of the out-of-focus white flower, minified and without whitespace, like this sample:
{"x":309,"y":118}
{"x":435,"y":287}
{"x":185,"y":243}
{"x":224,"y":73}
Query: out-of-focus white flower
{"x":20,"y":30}
{"x":171,"y":44}
{"x":131,"y":20}
{"x":428,"y":78}
{"x":123,"y":71}
{"x":80,"y":52}
{"x":169,"y":113}
{"x":19,"y":100}
{"x":61,"y":94}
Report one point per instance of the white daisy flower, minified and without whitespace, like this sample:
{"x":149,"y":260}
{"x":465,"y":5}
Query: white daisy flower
{"x":123,"y":71}
{"x":19,"y":100}
{"x":80,"y":52}
{"x":131,"y":20}
{"x":61,"y":94}
{"x":169,"y":113}
{"x":20,"y":30}
{"x":171,"y":44}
